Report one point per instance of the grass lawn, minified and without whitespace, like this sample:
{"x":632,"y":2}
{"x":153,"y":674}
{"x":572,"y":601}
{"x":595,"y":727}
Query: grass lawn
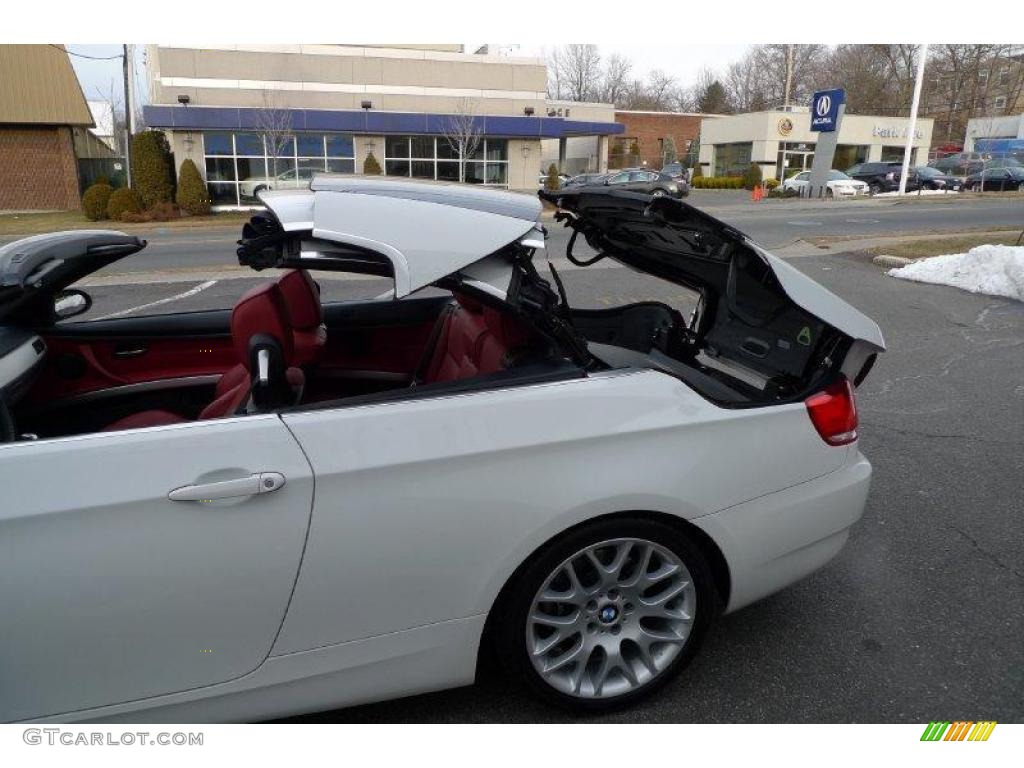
{"x":13,"y":224}
{"x":919,"y":249}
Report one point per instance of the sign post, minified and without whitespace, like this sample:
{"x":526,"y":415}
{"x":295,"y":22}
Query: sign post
{"x":827,"y":110}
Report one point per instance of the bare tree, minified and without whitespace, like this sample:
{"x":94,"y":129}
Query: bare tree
{"x":615,"y":79}
{"x":463,"y":133}
{"x":575,"y":73}
{"x":275,"y":123}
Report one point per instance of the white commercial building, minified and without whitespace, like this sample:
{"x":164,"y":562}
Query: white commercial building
{"x":782,"y":143}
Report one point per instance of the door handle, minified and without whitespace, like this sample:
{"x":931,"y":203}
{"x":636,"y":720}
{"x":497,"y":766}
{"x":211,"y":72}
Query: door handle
{"x":131,"y":352}
{"x":259,"y":482}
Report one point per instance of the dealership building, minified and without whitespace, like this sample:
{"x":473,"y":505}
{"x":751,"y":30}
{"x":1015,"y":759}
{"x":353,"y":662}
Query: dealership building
{"x":782,"y":143}
{"x":248,"y":113}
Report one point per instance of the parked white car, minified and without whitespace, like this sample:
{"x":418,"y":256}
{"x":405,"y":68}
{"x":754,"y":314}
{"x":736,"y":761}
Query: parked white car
{"x":285,"y":507}
{"x":838,"y":184}
{"x":291,"y":179}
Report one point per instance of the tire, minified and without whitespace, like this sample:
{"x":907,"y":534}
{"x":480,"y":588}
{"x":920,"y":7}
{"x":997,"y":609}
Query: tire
{"x":658,"y":193}
{"x":610,"y":614}
{"x":829,"y":192}
{"x":874,"y":189}
{"x":256,"y":191}
{"x":975,"y":187}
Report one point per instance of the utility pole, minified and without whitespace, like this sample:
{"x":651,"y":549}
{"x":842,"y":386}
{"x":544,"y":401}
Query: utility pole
{"x":789,"y":75}
{"x":912,"y":127}
{"x":126,"y":67}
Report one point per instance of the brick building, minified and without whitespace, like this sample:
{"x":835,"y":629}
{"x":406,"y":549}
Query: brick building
{"x":648,"y":132}
{"x":42,"y":116}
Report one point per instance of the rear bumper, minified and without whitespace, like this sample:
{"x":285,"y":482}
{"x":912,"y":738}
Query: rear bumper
{"x":775,"y":540}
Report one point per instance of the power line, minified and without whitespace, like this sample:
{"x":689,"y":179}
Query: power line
{"x":85,"y":55}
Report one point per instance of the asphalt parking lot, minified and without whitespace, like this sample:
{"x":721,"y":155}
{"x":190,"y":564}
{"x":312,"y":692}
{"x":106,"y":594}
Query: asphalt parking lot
{"x":919,"y":618}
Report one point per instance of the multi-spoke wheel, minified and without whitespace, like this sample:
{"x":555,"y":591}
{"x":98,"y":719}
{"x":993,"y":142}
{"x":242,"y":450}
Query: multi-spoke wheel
{"x":608,"y":613}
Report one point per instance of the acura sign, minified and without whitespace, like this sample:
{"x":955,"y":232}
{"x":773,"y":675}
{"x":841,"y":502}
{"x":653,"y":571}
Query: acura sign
{"x":825,"y":110}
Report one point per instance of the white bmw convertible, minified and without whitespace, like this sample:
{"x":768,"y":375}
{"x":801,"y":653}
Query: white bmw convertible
{"x":288,"y":506}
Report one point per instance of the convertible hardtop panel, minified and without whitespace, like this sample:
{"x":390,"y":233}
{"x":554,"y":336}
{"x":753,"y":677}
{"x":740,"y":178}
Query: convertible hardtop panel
{"x":693,"y":248}
{"x":425,"y":230}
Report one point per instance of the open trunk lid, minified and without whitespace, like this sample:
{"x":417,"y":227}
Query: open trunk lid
{"x":757,"y":314}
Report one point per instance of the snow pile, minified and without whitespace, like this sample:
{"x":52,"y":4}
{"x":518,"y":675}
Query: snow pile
{"x":919,"y":193}
{"x":995,"y":270}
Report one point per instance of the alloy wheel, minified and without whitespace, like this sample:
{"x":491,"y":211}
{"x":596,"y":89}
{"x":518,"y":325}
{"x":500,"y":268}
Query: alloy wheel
{"x":611,"y":618}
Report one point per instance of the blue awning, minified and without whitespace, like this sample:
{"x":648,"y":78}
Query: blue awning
{"x":370,"y":122}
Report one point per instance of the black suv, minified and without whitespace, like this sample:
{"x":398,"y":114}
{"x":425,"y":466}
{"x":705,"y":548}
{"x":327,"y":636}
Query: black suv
{"x":882,"y":177}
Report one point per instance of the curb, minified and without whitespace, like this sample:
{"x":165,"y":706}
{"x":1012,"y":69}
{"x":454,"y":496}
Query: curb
{"x":890,"y":261}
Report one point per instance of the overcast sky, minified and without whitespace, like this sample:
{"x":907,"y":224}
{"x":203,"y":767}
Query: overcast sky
{"x":681,"y":61}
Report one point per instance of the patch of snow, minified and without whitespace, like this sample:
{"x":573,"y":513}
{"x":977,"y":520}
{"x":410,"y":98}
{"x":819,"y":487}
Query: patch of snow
{"x":922,"y":193}
{"x":994,"y":270}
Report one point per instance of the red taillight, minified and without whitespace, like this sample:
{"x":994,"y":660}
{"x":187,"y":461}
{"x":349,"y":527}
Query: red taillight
{"x":833,"y":412}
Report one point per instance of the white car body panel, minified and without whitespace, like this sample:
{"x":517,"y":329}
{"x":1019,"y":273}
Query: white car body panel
{"x":111,"y":592}
{"x":448,"y":495}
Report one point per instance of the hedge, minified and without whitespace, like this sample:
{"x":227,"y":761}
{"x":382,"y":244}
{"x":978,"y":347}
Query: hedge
{"x":94,"y":201}
{"x":717,"y":182}
{"x":152,"y":168}
{"x":124,"y":200}
{"x":192,"y":195}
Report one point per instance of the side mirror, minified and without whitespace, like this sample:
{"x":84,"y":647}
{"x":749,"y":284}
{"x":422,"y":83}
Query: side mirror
{"x":70,"y":302}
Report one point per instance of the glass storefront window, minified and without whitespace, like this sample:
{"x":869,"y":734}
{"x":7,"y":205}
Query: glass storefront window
{"x":430,"y":157}
{"x":310,"y":144}
{"x":340,"y":166}
{"x":340,"y":146}
{"x":220,"y":169}
{"x":218,"y":143}
{"x":732,"y":159}
{"x":396,"y":146}
{"x":239,"y":165}
{"x":848,"y":155}
{"x":248,"y":144}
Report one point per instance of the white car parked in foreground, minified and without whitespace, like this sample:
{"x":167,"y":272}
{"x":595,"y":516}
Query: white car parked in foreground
{"x":290,"y":507}
{"x":838,"y":184}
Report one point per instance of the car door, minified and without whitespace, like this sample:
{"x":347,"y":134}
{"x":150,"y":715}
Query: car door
{"x":113,"y":591}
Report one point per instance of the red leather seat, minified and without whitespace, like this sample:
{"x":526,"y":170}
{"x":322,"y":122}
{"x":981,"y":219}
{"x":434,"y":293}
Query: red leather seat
{"x":306,"y":315}
{"x":260,"y":311}
{"x":474,"y":340}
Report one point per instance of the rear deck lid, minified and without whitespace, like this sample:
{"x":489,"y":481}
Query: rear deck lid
{"x":749,"y":288}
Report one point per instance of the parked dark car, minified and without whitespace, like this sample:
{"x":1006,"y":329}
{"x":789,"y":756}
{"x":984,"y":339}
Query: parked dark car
{"x":885,"y":177}
{"x":582,"y":179}
{"x":933,"y":178}
{"x":1003,"y":179}
{"x":964,"y":164}
{"x":649,"y":182}
{"x":881,"y":177}
{"x":678,"y":171}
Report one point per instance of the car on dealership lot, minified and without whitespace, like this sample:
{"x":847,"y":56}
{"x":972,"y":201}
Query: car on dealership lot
{"x":647,"y":182}
{"x":1002,"y":179}
{"x":927,"y":177}
{"x":293,"y":178}
{"x":964,"y":164}
{"x":838,"y":184}
{"x":881,"y":176}
{"x":290,"y":506}
{"x":583,"y":179}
